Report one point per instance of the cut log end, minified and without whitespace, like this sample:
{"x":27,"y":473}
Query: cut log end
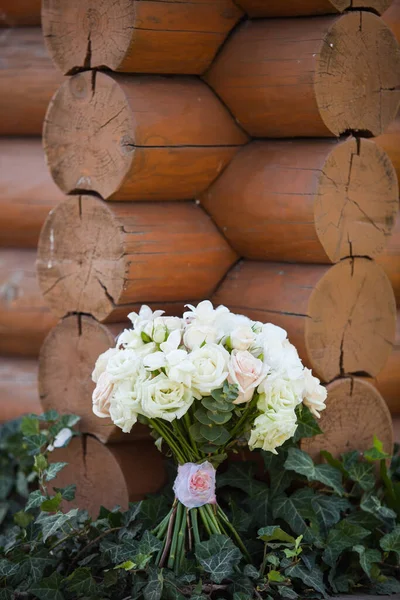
{"x":84,"y":271}
{"x":294,"y":8}
{"x":359,"y":47}
{"x":109,"y":475}
{"x":356,"y":203}
{"x":355,"y":412}
{"x":87,"y":134}
{"x":351,"y":322}
{"x":66,"y":362}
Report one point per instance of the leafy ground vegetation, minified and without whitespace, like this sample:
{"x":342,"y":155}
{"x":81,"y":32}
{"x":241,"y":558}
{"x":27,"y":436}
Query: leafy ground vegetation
{"x":311,"y":530}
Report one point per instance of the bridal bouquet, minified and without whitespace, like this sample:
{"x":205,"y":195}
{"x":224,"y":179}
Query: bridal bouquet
{"x":205,"y":384}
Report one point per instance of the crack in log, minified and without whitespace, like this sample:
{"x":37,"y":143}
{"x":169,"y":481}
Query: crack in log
{"x":111,"y":119}
{"x":108,"y":295}
{"x":275,"y":312}
{"x":166,"y":147}
{"x":88,"y":57}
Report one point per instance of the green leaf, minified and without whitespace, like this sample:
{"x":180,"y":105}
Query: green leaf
{"x":363,"y":474}
{"x":343,"y":536}
{"x":32,"y":566}
{"x":81,"y":582}
{"x":368,"y":558}
{"x":218,"y":557}
{"x":391,"y":541}
{"x":67,"y":493}
{"x":7,"y":568}
{"x":350,"y":458}
{"x":376,"y":452}
{"x":52,"y":504}
{"x":6,"y":484}
{"x":241,"y":476}
{"x":154,"y":587}
{"x":53,"y":469}
{"x":48,"y":588}
{"x":213,"y":405}
{"x":214,"y":432}
{"x":334,"y":462}
{"x":149,"y":544}
{"x":34,"y":443}
{"x":202,"y":416}
{"x":52,"y":524}
{"x":302,"y":463}
{"x":276,"y":577}
{"x":311,"y":579}
{"x":285,"y":508}
{"x":30,"y":425}
{"x":307,"y":426}
{"x":35,"y":499}
{"x":371,"y":503}
{"x":219,"y":418}
{"x":328,"y":510}
{"x":40,"y":462}
{"x":119,"y":552}
{"x":274,"y":533}
{"x":390,"y":585}
{"x":22,"y":519}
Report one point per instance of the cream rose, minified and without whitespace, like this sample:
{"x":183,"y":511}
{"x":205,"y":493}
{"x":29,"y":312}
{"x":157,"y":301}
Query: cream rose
{"x":125,"y":404}
{"x":101,"y":363}
{"x":125,"y":364}
{"x":314,"y":394}
{"x":162,"y":398}
{"x":278,"y":394}
{"x":242,"y":337}
{"x":272,"y":429}
{"x":247,"y":372}
{"x":130,"y":339}
{"x":210,"y":368}
{"x":101,"y":395}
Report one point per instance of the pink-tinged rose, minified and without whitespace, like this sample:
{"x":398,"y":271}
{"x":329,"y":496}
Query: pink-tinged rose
{"x":195,"y":484}
{"x":247,"y":372}
{"x":102,"y":395}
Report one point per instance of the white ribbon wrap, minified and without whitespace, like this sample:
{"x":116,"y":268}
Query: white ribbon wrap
{"x":194,"y":485}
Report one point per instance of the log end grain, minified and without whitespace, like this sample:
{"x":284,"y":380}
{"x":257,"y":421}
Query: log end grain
{"x":389,"y":260}
{"x":351,"y":322}
{"x":390,"y":142}
{"x":355,"y":412}
{"x":294,"y":8}
{"x":137,"y":36}
{"x":388,"y":380}
{"x":109,"y":475}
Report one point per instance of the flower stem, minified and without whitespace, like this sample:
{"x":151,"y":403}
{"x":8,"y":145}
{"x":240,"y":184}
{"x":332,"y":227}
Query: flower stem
{"x":203,"y":516}
{"x":178,"y":521}
{"x":195,"y":525}
{"x":161,"y":528}
{"x":180,"y":551}
{"x":165,"y":434}
{"x":235,"y":534}
{"x":167,"y":542}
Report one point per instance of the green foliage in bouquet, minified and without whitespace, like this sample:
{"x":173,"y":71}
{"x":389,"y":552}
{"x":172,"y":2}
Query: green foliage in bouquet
{"x":311,"y":530}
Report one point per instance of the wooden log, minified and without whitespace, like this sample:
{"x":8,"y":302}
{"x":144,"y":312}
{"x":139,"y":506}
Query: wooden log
{"x":310,"y":77}
{"x":25,"y":319}
{"x":18,"y":388}
{"x":66,"y":362}
{"x":390,"y":260}
{"x":355,"y":412}
{"x":27,"y":191}
{"x":342,"y":319}
{"x":396,"y":429}
{"x":313,"y":201}
{"x":145,"y":138}
{"x":392,"y":18}
{"x":178,"y":36}
{"x":294,"y":8}
{"x":28,"y":80}
{"x":390,"y":142}
{"x":109,"y":475}
{"x":20,"y":13}
{"x":388,"y":380}
{"x":117,"y":255}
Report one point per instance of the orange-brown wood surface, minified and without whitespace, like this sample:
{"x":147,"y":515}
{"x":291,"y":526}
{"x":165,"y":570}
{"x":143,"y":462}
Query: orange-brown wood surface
{"x":66,"y":362}
{"x":18,"y":388}
{"x":390,"y":142}
{"x":109,"y":475}
{"x":145,"y":137}
{"x":342,"y":319}
{"x":17,"y":13}
{"x":388,"y":380}
{"x":355,"y":412}
{"x":392,"y":17}
{"x":396,"y":429}
{"x":101,"y":258}
{"x":177,"y":36}
{"x":306,"y":201}
{"x":28,"y":80}
{"x":302,"y":77}
{"x":27,"y":191}
{"x":25,"y":319}
{"x":389,"y":260}
{"x":296,"y":8}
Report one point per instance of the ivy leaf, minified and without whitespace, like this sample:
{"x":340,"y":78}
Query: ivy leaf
{"x":363,"y":474}
{"x":343,"y":536}
{"x":218,"y":557}
{"x":33,"y":565}
{"x":302,"y":463}
{"x":371,"y":504}
{"x":48,"y":588}
{"x":334,"y":462}
{"x":81,"y":582}
{"x":368,"y":558}
{"x":51,"y":524}
{"x":154,"y":587}
{"x":153,"y":510}
{"x":389,"y":586}
{"x":67,"y":493}
{"x":350,"y":458}
{"x":149,"y":544}
{"x":35,"y":499}
{"x":307,"y":425}
{"x":376,"y":452}
{"x":132,"y":513}
{"x":6,"y":484}
{"x":328,"y":510}
{"x":275,"y":533}
{"x":284,"y":508}
{"x":22,"y":519}
{"x":29,"y":425}
{"x":241,"y":476}
{"x":312,"y":579}
{"x":7,"y":568}
{"x":34,"y":443}
{"x":52,"y":504}
{"x":275,"y":577}
{"x":53,"y":469}
{"x":391,"y":541}
{"x":119,"y":552}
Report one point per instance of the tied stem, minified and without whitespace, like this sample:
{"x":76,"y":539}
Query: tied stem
{"x":195,"y":525}
{"x":180,"y":551}
{"x":178,"y":522}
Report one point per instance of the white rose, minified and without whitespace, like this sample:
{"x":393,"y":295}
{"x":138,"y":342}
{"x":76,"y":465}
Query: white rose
{"x":247,"y":372}
{"x":124,"y":364}
{"x":204,"y":313}
{"x":143,"y":317}
{"x":174,"y":360}
{"x":278,"y":393}
{"x":101,"y":363}
{"x":272,"y":429}
{"x":210,"y":368}
{"x":196,"y":335}
{"x":314,"y":394}
{"x":162,"y":398}
{"x":173,"y":323}
{"x":101,"y":395}
{"x":130,"y":339}
{"x":242,"y":337}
